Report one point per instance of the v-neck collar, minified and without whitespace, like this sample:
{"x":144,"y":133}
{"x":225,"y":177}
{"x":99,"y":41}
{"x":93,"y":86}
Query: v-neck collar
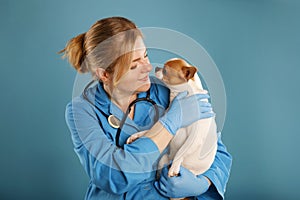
{"x":103,"y":102}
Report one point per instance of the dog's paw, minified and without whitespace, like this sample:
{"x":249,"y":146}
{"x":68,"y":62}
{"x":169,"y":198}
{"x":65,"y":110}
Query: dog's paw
{"x":171,"y":174}
{"x":174,"y":170}
{"x":134,"y":137}
{"x":131,"y":139}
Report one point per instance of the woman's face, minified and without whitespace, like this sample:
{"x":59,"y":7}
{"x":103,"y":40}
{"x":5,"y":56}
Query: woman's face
{"x":136,"y":79}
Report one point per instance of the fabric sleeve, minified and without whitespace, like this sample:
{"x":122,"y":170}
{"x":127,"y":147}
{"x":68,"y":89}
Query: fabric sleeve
{"x":110,"y":168}
{"x":218,"y":173}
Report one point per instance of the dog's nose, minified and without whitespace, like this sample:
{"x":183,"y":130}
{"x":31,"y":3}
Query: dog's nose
{"x":158,"y":69}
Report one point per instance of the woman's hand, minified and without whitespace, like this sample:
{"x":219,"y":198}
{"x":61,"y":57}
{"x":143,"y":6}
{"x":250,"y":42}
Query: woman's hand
{"x":185,"y":185}
{"x":184,"y":110}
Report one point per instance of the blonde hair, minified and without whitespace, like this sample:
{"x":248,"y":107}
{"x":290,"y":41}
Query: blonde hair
{"x":107,"y":44}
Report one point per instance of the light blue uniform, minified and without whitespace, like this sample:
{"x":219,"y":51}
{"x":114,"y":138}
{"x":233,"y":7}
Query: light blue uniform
{"x":127,"y":173}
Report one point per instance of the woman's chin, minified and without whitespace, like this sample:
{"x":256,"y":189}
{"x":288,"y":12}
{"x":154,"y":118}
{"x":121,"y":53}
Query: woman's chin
{"x":144,"y":87}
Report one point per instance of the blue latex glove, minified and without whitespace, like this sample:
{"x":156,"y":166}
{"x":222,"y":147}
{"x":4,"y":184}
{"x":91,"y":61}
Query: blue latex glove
{"x":185,"y":185}
{"x":184,"y":110}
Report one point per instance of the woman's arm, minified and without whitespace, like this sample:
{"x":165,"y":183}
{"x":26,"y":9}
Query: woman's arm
{"x":110,"y":168}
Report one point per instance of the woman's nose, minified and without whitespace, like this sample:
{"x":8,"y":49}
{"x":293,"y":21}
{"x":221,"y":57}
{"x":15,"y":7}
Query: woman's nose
{"x":147,"y":67}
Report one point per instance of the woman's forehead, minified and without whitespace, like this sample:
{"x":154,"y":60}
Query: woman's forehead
{"x":139,"y":44}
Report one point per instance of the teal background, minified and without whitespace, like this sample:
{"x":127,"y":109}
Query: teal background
{"x":254,"y":43}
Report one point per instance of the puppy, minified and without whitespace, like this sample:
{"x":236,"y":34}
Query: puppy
{"x":194,"y":147}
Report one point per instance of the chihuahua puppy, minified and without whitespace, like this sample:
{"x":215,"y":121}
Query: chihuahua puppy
{"x":194,"y":147}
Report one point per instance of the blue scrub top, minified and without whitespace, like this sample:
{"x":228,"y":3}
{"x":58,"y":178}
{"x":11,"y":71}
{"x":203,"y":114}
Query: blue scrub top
{"x":127,"y":173}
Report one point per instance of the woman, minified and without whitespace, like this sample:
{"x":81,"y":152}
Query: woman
{"x":112,"y":50}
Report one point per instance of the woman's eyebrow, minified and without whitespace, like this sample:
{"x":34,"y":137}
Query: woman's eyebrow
{"x":137,"y":59}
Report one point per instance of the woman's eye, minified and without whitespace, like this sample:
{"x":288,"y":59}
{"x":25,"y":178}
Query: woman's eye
{"x":133,"y":67}
{"x":146,"y":55}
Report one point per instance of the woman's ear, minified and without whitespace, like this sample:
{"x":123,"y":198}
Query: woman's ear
{"x":102,"y":74}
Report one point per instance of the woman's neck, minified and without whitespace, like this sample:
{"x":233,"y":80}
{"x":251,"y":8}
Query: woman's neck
{"x":120,"y":98}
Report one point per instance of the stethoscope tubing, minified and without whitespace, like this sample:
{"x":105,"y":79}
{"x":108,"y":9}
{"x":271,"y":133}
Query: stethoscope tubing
{"x":122,"y":122}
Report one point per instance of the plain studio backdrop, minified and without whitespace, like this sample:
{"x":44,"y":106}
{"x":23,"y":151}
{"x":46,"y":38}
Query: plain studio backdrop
{"x":254,"y":43}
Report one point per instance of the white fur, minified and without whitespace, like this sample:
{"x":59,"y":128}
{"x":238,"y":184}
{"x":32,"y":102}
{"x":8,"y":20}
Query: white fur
{"x":194,"y":147}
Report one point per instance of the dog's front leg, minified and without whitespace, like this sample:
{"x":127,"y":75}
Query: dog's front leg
{"x":175,"y":167}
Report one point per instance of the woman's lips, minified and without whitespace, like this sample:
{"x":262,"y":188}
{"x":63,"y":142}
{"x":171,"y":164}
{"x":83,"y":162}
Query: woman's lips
{"x":146,"y":78}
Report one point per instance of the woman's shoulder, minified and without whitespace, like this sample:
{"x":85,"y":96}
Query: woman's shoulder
{"x":77,"y":105}
{"x":80,"y":101}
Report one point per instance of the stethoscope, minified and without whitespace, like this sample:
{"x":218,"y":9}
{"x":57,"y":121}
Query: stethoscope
{"x":112,"y":120}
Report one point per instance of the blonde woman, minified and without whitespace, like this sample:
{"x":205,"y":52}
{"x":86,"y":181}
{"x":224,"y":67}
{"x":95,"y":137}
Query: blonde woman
{"x":113,"y":51}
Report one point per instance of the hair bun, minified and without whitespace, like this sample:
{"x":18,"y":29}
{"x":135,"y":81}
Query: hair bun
{"x":75,"y":52}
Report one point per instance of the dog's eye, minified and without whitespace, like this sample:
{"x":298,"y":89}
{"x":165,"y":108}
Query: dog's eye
{"x":164,"y":71}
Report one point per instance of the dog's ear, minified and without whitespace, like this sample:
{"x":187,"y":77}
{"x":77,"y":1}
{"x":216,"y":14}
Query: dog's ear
{"x":189,"y":72}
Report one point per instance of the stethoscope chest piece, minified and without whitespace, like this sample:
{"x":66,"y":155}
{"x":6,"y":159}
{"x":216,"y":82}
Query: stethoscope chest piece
{"x":113,"y":121}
